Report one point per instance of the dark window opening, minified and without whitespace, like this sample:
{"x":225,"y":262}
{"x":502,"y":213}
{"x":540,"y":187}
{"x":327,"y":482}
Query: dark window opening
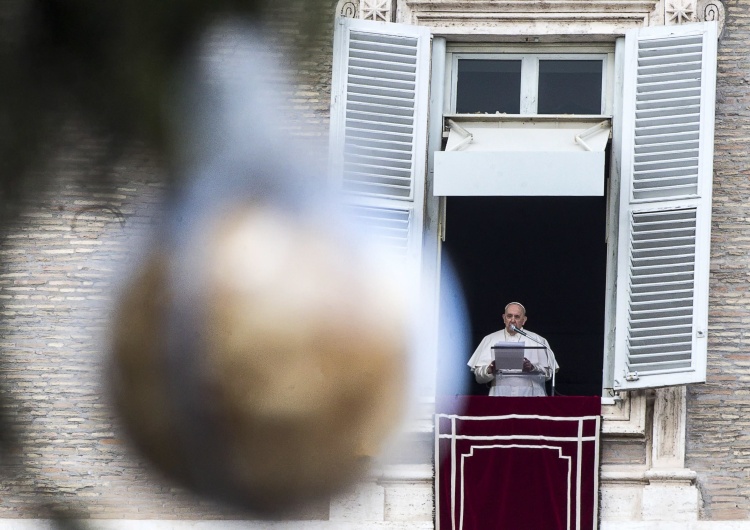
{"x":570,"y":87}
{"x":485,"y":85}
{"x":548,"y":253}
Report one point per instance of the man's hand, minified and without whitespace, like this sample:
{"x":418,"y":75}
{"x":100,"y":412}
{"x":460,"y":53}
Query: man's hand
{"x":527,"y":366}
{"x":491,"y":368}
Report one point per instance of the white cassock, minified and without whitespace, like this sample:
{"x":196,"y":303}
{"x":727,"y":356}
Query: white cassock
{"x":525,"y":384}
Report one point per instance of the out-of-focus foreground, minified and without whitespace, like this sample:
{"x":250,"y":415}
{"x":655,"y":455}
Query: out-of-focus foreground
{"x":88,"y":167}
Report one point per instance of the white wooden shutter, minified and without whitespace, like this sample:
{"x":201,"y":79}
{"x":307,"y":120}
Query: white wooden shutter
{"x":665,"y":206}
{"x":379,"y":101}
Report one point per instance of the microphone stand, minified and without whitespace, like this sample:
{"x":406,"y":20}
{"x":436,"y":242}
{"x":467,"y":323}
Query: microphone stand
{"x":546,"y":352}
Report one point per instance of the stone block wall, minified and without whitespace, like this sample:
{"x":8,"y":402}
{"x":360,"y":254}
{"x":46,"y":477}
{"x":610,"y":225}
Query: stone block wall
{"x":718,"y":414}
{"x":61,"y":260}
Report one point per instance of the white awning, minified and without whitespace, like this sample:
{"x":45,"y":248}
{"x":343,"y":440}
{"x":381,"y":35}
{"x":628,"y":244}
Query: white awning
{"x":497,"y":155}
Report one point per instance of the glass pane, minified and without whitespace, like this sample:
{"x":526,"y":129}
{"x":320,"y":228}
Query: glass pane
{"x":488,"y":85}
{"x":570,"y":87}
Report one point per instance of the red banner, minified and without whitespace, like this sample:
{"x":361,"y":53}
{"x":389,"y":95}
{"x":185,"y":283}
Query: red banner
{"x":517,"y":463}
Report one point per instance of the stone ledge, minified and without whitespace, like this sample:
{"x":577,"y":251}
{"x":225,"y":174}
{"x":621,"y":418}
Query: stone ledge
{"x":671,"y":475}
{"x":529,"y":17}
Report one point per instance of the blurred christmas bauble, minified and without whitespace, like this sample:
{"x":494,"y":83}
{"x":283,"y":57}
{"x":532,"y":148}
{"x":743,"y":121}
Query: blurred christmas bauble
{"x":263,"y":363}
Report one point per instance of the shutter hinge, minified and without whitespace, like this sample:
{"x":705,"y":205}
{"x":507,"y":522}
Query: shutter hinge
{"x":632,"y":376}
{"x":611,"y":397}
{"x":700,"y":333}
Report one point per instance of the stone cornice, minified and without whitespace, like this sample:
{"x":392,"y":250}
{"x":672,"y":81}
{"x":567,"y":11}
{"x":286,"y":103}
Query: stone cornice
{"x":535,"y":6}
{"x":558,"y":19}
{"x":528,"y":17}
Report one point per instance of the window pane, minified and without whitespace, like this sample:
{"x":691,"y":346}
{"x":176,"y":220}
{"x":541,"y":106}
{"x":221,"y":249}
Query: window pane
{"x":486,"y":85}
{"x":570,"y":87}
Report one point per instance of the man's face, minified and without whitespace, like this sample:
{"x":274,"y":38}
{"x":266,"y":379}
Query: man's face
{"x":514,"y":316}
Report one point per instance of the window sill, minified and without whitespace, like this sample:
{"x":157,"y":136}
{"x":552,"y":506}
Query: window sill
{"x":624,"y":417}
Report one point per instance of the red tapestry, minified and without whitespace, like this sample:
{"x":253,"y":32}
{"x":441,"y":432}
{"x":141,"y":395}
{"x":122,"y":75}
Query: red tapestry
{"x":517,"y":463}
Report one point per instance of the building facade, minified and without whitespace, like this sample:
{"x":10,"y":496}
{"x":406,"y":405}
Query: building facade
{"x":673,"y":453}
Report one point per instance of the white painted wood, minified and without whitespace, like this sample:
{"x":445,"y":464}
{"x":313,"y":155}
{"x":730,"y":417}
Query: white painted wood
{"x":665,"y":206}
{"x":613,"y":224}
{"x":529,"y":58}
{"x":379,"y":108}
{"x":378,"y":137}
{"x":431,"y":265}
{"x":529,"y":84}
{"x":518,"y":174}
{"x":540,"y":156}
{"x":527,"y":134}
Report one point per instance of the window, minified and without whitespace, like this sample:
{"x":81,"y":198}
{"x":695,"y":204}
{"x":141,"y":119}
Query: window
{"x":528,"y":83}
{"x":488,"y":85}
{"x":658,"y":219}
{"x":525,"y":203}
{"x":570,"y":86}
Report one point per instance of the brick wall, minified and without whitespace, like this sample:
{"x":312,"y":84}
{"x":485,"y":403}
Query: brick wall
{"x":718,"y":440}
{"x":61,"y":260}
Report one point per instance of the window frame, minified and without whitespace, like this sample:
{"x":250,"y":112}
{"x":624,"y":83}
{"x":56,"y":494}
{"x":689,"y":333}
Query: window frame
{"x":612,"y":55}
{"x":530,"y":57}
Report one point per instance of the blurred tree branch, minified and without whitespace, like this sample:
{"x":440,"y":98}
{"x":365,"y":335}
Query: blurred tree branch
{"x":109,"y":67}
{"x":110,"y":64}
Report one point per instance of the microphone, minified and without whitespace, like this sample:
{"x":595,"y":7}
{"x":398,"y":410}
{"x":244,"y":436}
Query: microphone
{"x":546,"y":352}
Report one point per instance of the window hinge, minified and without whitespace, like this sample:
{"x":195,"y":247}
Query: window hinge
{"x":611,"y":397}
{"x":632,"y":376}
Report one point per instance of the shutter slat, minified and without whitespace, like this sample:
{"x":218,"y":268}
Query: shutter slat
{"x":664,"y":148}
{"x":380,"y":108}
{"x":673,"y":154}
{"x":372,"y":159}
{"x":675,"y":117}
{"x":644,"y":141}
{"x":367,"y":115}
{"x":654,"y":95}
{"x":387,"y":227}
{"x":378,"y":151}
{"x":380,"y":101}
{"x":369,"y":134}
{"x":662,"y":112}
{"x":364,"y":69}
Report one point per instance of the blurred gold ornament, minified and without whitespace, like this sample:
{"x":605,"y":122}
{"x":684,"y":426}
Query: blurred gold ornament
{"x":266,"y":364}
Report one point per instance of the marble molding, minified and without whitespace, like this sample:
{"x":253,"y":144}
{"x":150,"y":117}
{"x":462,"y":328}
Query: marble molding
{"x":378,"y":10}
{"x":680,"y":11}
{"x":347,"y":9}
{"x":529,"y":17}
{"x":557,"y":18}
